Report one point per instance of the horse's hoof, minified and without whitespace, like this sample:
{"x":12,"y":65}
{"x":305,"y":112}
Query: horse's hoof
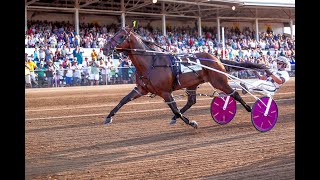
{"x":194,"y":124}
{"x":172,"y":122}
{"x":248,"y":108}
{"x":108,"y":120}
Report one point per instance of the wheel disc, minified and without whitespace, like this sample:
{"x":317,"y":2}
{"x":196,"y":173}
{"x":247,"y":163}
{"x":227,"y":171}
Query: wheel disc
{"x":261,"y":121}
{"x":220,"y":115}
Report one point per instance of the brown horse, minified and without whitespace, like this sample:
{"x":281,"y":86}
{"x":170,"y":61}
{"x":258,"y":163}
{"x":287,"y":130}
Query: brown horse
{"x":154,"y":73}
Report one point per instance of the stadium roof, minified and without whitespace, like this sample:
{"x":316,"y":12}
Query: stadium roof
{"x":268,"y":10}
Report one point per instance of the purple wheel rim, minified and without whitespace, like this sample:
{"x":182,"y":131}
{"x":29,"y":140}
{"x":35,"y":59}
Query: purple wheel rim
{"x":261,"y":122}
{"x":220,"y":115}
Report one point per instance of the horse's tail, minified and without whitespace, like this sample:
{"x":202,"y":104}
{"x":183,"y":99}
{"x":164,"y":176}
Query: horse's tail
{"x":237,"y":66}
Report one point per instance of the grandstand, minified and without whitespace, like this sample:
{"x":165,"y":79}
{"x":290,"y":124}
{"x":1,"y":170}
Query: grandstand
{"x":260,"y":14}
{"x":196,"y":18}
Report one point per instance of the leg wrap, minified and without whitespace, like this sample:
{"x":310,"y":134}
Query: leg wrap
{"x":170,"y":102}
{"x":136,"y":90}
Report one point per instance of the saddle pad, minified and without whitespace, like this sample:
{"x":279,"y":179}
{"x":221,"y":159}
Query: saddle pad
{"x":185,"y":68}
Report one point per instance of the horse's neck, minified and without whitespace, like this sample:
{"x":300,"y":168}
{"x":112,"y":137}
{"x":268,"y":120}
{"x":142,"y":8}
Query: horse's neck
{"x":141,"y":60}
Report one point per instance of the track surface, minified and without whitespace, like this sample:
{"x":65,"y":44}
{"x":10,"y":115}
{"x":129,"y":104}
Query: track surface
{"x":65,"y":138}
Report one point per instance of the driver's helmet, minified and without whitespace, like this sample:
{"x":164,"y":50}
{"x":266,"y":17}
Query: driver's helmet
{"x":284,"y":60}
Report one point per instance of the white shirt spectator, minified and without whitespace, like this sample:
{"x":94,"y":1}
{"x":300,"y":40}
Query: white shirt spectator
{"x":69,"y":53}
{"x":252,"y":44}
{"x":31,"y":42}
{"x":100,"y":55}
{"x":69,"y":72}
{"x":86,"y":67}
{"x":263,"y":45}
{"x":77,"y":70}
{"x":52,"y":39}
{"x":26,"y":40}
{"x":61,"y":72}
{"x":42,"y":54}
{"x":105,"y":68}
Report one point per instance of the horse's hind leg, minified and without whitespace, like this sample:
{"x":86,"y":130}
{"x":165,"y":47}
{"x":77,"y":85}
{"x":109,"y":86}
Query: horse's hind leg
{"x":134,"y":94}
{"x":192,"y":99}
{"x":237,"y":97}
{"x":173,"y":106}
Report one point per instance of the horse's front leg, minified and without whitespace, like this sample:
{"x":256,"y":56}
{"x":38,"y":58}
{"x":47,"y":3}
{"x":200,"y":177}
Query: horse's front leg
{"x":173,"y":106}
{"x":134,"y":94}
{"x":192,"y":99}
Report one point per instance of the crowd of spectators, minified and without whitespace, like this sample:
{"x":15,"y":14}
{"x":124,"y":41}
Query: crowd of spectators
{"x":240,"y":45}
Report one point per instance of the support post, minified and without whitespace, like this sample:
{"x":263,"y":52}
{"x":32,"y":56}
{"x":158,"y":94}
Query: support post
{"x":218,"y":28}
{"x":163,"y":11}
{"x":257,"y":30}
{"x":223,"y":45}
{"x":123,"y":15}
{"x":76,"y":19}
{"x":199,"y":27}
{"x":164,"y":31}
{"x":123,"y":19}
{"x":291,"y":28}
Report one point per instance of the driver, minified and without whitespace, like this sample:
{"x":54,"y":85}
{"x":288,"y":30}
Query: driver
{"x":272,"y":80}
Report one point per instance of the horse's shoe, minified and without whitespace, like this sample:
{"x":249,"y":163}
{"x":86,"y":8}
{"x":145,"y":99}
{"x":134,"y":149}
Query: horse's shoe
{"x":172,"y":122}
{"x":108,"y":120}
{"x":194,"y":124}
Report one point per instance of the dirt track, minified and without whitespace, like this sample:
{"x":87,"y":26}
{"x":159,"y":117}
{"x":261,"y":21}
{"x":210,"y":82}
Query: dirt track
{"x":66,"y":139}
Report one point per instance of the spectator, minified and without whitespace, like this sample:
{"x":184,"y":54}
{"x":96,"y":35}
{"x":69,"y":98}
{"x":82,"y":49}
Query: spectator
{"x":42,"y":53}
{"x":41,"y":74}
{"x":101,"y":55}
{"x":76,"y":73}
{"x":112,"y":73}
{"x":32,"y":67}
{"x":86,"y":70}
{"x":48,"y":54}
{"x":103,"y":69}
{"x":53,"y":41}
{"x":94,"y":75}
{"x":94,"y":54}
{"x":50,"y":72}
{"x":78,"y":53}
{"x":27,"y":75}
{"x":125,"y":70}
{"x":57,"y":55}
{"x":69,"y":53}
{"x":77,"y":41}
{"x":69,"y":75}
{"x":65,"y":62}
{"x":36,"y":58}
{"x":63,"y":52}
{"x":61,"y":72}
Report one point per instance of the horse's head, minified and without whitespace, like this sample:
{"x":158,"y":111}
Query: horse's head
{"x":118,"y":41}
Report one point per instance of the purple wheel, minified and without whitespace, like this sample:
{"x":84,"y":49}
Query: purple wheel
{"x":221,"y":111}
{"x":261,"y":121}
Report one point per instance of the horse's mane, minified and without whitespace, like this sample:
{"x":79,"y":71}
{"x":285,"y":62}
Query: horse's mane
{"x":149,"y":44}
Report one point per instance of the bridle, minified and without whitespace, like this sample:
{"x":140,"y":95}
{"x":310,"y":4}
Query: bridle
{"x":114,"y":43}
